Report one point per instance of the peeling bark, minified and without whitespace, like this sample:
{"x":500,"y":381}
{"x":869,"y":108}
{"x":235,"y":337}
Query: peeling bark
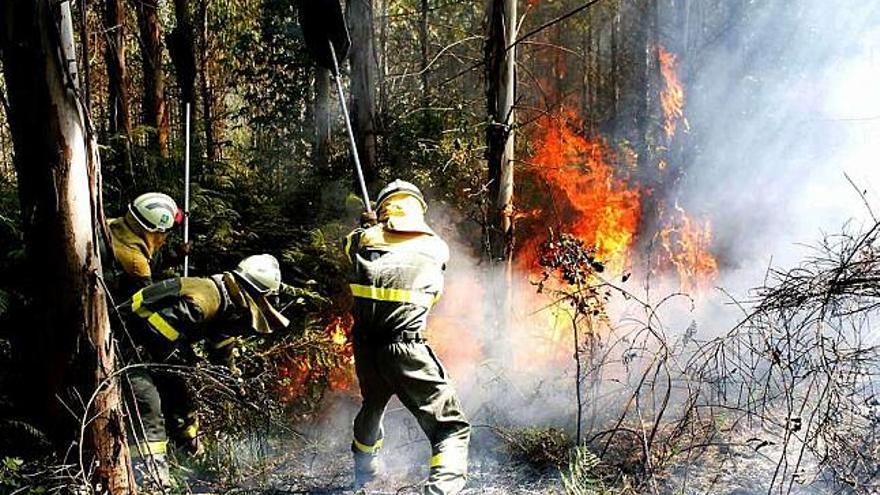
{"x":70,"y":352}
{"x":501,"y":91}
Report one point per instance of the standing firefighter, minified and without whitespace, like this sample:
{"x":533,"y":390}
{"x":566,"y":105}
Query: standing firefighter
{"x":397,"y":277}
{"x":165,"y":318}
{"x":137,"y":238}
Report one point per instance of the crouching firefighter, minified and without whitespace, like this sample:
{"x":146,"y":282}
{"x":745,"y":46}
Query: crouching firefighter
{"x":136,"y":240}
{"x":164,"y":320}
{"x":397,"y":276}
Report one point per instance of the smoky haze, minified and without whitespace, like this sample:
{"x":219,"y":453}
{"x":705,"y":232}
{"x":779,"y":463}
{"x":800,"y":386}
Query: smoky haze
{"x":782,"y":106}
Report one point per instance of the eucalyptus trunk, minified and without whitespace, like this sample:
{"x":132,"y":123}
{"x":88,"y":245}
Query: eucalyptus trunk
{"x":181,"y":47}
{"x":212,"y":149}
{"x":117,"y":78}
{"x":70,"y":352}
{"x":154,"y":112}
{"x":363,"y":86}
{"x":501,"y":92}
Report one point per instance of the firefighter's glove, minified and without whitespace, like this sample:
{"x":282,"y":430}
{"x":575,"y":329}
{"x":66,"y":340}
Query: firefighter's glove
{"x":303,"y":296}
{"x":183,"y":249}
{"x":369,"y":219}
{"x":194,"y":447}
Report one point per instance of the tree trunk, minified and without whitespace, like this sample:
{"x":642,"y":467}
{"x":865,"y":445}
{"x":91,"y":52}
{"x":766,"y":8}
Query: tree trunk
{"x":501,"y":87}
{"x":114,"y":54}
{"x":360,"y":17}
{"x":57,"y":167}
{"x":154,"y":112}
{"x":212,"y":151}
{"x":182,"y":48}
{"x":615,"y":68}
{"x":500,"y":92}
{"x":86,"y":80}
{"x":658,"y":177}
{"x":382,"y":61}
{"x":423,"y":46}
{"x":589,"y":78}
{"x":323,"y":121}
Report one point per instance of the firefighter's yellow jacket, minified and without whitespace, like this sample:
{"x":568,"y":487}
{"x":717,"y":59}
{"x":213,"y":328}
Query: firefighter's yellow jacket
{"x":134,"y":250}
{"x":190,"y":309}
{"x":396,"y":279}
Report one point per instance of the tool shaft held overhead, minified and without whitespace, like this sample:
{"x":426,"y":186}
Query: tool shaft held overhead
{"x":354,"y":151}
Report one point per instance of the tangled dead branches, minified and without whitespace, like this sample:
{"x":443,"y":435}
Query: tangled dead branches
{"x":803,"y":365}
{"x":795,"y":380}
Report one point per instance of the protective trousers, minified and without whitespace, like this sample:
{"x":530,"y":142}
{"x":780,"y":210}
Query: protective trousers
{"x":154,"y":396}
{"x":411,"y":371}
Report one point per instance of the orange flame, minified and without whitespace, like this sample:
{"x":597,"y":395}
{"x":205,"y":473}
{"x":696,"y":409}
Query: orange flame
{"x":672,"y":95}
{"x":686,"y":246}
{"x":302,"y":369}
{"x":589,"y":199}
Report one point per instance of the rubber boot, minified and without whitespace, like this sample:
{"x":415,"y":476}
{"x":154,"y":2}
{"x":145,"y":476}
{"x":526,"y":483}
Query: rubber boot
{"x":152,"y":474}
{"x":366,"y":468}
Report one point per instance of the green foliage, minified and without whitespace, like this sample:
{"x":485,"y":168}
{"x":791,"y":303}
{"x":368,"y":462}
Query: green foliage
{"x":579,"y":476}
{"x":538,"y":447}
{"x":13,"y":478}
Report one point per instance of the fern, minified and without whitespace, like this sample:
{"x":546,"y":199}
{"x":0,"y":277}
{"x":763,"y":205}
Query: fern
{"x":579,"y":477}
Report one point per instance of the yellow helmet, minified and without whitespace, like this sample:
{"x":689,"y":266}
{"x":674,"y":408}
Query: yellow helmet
{"x":399,"y":187}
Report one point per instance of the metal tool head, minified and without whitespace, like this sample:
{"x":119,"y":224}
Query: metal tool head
{"x":323,"y":23}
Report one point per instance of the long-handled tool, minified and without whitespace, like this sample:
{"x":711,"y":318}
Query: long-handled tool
{"x":326,"y":36}
{"x":186,"y":198}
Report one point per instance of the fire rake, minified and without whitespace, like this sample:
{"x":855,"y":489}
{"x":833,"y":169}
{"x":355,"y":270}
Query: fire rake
{"x":327,"y":39}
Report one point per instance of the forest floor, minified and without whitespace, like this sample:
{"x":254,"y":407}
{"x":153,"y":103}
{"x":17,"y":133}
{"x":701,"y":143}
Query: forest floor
{"x":330,"y":472}
{"x":317,"y":460}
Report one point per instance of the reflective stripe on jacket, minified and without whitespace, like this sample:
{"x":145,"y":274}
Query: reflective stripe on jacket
{"x":396,"y":279}
{"x":178,"y":309}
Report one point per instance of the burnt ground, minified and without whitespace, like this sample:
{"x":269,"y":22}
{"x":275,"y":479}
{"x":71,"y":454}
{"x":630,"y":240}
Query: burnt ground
{"x":327,"y":469}
{"x":317,"y":460}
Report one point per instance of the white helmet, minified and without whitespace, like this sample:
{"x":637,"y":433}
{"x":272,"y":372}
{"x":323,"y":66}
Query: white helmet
{"x":400,"y":187}
{"x":155,"y":212}
{"x":261,"y":272}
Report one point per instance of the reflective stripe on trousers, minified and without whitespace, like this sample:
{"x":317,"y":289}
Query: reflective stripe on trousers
{"x":366,"y":449}
{"x":410,"y":371}
{"x":191,"y":431}
{"x":148,"y":448}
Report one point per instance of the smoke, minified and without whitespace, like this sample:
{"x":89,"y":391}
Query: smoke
{"x":783,"y":112}
{"x":783,"y":105}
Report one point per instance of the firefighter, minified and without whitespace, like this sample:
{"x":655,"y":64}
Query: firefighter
{"x":397,"y":277}
{"x":166,"y":318}
{"x":136,"y":240}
